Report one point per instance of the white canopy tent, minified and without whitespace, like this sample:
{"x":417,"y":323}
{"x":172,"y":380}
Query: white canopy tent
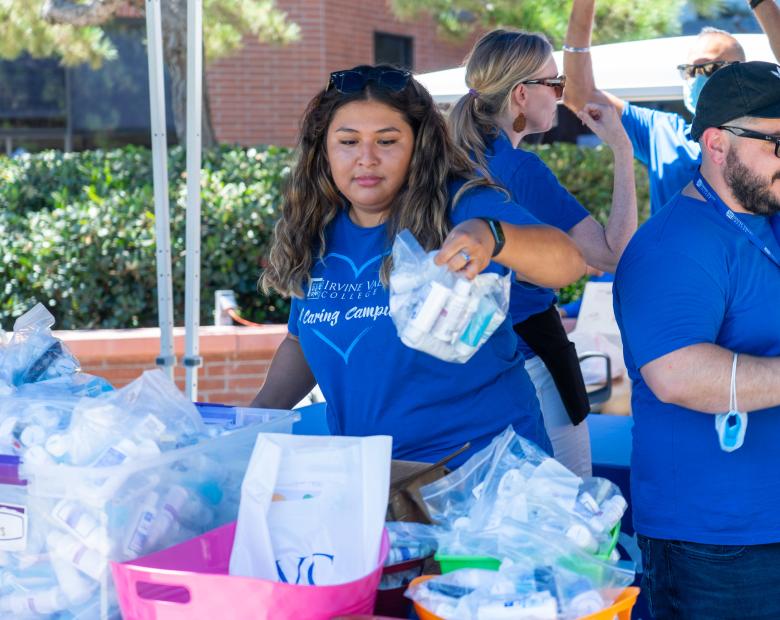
{"x":634,"y":71}
{"x":167,"y":357}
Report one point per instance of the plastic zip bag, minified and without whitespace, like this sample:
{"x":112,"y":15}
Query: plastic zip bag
{"x":439,"y":312}
{"x":32,"y":353}
{"x":512,"y":478}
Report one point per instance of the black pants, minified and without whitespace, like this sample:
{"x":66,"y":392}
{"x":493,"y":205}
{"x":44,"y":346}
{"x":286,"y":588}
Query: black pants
{"x":544,"y":333}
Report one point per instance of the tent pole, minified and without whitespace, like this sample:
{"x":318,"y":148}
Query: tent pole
{"x":167,"y":359}
{"x":192,"y":359}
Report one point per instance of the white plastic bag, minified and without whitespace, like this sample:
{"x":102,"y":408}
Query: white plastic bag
{"x":439,"y":312}
{"x":322,"y":510}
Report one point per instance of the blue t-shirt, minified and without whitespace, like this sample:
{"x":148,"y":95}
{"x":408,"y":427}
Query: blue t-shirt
{"x":532,"y":185}
{"x":662,"y":142}
{"x":374,"y":384}
{"x":689,"y":276}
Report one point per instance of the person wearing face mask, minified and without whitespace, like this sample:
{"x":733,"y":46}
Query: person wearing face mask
{"x":696,"y":298}
{"x":514,"y":92}
{"x":662,"y":140}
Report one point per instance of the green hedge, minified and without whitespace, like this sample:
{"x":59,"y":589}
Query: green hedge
{"x":77,"y":230}
{"x":78,"y":234}
{"x":588,"y":174}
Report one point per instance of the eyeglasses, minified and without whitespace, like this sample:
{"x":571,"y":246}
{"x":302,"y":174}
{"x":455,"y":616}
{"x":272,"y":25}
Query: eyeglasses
{"x":355,"y":80}
{"x":747,"y":133}
{"x":558,"y":83}
{"x":706,"y":69}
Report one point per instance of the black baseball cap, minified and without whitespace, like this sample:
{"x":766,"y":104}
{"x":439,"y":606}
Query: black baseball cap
{"x":742,"y":89}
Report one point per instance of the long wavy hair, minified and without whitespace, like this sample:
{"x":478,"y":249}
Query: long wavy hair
{"x":311,"y":199}
{"x":497,"y":63}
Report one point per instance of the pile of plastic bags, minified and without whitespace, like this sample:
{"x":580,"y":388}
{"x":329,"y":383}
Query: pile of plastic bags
{"x":110,"y":475}
{"x":551,"y":533}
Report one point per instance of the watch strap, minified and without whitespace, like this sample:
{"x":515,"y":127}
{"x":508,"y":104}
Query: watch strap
{"x":498,"y":234}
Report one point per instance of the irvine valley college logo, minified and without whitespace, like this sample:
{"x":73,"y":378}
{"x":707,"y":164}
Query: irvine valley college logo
{"x":343,"y":302}
{"x":304,"y":570}
{"x":315,"y":288}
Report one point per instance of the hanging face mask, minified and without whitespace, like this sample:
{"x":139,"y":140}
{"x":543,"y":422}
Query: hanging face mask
{"x":731,"y":426}
{"x":691,"y":91}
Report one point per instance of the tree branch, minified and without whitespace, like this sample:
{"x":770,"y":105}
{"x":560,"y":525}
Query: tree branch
{"x":76,"y":14}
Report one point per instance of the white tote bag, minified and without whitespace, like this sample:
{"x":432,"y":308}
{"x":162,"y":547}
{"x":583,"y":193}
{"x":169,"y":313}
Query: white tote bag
{"x":312,"y":508}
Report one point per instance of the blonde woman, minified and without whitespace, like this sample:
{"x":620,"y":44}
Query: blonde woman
{"x":514,"y":89}
{"x":375,"y":158}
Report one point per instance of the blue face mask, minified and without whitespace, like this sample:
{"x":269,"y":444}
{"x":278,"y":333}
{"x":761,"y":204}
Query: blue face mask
{"x":692,"y":90}
{"x":731,"y":426}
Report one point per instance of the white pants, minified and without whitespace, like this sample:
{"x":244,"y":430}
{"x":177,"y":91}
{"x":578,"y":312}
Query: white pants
{"x":571,"y":444}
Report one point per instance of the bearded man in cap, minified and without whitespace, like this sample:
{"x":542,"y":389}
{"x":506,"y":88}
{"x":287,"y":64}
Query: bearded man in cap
{"x":697,"y":299}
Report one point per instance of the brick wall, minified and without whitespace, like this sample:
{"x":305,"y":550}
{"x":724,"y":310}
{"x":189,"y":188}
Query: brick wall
{"x":236,"y":359}
{"x":259,"y":94}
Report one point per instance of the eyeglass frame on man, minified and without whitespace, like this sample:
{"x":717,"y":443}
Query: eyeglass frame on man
{"x":690,"y":71}
{"x":754,"y":135}
{"x":558,"y":83}
{"x":363,"y":76}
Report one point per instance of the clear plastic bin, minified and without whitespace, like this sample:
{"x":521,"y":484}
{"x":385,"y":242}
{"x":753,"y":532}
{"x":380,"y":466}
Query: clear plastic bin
{"x":77,"y":519}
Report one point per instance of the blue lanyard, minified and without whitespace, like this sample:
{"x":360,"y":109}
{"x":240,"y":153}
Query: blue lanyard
{"x":716,"y":201}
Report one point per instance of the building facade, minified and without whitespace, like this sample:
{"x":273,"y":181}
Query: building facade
{"x":259,"y":94}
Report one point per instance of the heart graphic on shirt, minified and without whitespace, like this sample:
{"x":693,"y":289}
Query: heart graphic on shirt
{"x":357,"y":271}
{"x":344,"y":353}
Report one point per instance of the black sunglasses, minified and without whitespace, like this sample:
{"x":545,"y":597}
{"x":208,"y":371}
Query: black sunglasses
{"x":558,"y":83}
{"x":355,"y":80}
{"x":706,"y":69}
{"x":755,"y":135}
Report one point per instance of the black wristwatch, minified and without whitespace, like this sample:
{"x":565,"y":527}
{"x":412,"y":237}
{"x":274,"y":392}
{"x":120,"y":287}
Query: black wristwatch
{"x":497,"y":232}
{"x":755,"y":3}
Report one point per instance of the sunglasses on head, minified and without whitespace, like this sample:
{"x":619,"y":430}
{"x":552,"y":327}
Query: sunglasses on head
{"x":355,"y":80}
{"x":558,"y":83}
{"x":706,"y":69}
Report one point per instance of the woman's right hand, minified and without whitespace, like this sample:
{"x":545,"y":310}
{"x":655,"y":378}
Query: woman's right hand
{"x":603,"y":120}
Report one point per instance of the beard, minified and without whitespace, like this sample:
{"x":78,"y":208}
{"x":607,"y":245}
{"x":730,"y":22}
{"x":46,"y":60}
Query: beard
{"x":751,"y":191}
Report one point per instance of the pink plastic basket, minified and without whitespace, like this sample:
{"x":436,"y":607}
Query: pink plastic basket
{"x":191,"y":580}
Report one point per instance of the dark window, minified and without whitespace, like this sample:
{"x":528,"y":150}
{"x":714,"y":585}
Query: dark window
{"x":44,"y":105}
{"x":393,"y":49}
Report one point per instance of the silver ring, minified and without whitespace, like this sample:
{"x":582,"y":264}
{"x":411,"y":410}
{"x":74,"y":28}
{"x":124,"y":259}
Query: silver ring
{"x":465,"y":255}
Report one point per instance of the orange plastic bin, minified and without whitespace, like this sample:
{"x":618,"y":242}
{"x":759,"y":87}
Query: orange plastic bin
{"x":624,"y":603}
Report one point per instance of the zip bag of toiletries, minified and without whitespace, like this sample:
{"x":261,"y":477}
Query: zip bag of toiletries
{"x":32,"y":353}
{"x":514,"y":479}
{"x":439,"y":312}
{"x":540,"y":577}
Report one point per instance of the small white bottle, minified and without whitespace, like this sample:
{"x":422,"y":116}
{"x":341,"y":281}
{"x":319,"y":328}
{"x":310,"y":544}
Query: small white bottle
{"x":42,"y":602}
{"x":138,"y":541}
{"x":68,"y":548}
{"x":427,"y":313}
{"x":78,"y":521}
{"x":169,"y":514}
{"x":581,"y":536}
{"x":122,"y":451}
{"x":74,"y":585}
{"x":450,"y":322}
{"x":58,"y":445}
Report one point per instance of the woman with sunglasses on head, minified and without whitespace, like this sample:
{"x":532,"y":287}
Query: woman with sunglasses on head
{"x":514,"y":90}
{"x":374,"y":158}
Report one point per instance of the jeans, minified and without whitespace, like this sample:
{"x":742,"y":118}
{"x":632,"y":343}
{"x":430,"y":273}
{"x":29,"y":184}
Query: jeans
{"x":694,"y":581}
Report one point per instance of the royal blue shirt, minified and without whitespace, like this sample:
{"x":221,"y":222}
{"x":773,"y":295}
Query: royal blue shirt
{"x":532,"y":185}
{"x":374,"y":384}
{"x":662,"y":142}
{"x":690,"y":276}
